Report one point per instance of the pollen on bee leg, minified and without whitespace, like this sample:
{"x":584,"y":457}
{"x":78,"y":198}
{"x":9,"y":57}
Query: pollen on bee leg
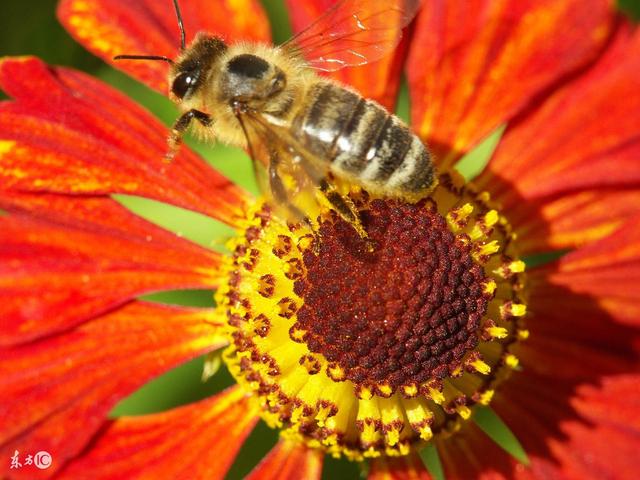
{"x":366,"y":353}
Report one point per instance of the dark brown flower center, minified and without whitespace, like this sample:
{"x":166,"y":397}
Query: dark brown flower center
{"x":401,"y":315}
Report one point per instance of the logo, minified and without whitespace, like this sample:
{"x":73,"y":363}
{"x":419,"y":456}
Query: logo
{"x":42,"y":460}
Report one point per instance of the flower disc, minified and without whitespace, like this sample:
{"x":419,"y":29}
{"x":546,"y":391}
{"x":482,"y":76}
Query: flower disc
{"x":367,"y":352}
{"x":396,"y":317}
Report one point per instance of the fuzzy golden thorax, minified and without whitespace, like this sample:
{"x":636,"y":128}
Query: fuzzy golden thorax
{"x":211,"y":76}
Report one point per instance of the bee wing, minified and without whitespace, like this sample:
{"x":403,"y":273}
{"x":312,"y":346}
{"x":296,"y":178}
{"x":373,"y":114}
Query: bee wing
{"x":353,"y":33}
{"x":286,"y":172}
{"x":259,"y":152}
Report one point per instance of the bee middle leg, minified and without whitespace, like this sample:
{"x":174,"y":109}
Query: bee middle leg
{"x":280,"y":195}
{"x":180,"y":126}
{"x":345,"y":208}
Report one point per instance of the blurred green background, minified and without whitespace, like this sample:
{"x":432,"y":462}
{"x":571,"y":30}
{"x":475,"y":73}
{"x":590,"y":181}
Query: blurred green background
{"x":30,"y":28}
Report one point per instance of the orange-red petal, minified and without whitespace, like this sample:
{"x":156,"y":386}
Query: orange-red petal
{"x":66,"y":132}
{"x":96,"y":214}
{"x":289,"y":460}
{"x":56,"y":273}
{"x":562,"y":432}
{"x":379,"y":80}
{"x":603,"y":277}
{"x":57,"y":392}
{"x":574,"y":405}
{"x":585,"y":317}
{"x":580,"y":146}
{"x":573,"y":218}
{"x":149,"y":27}
{"x":408,"y":467}
{"x":198,"y":441}
{"x":475,"y":65}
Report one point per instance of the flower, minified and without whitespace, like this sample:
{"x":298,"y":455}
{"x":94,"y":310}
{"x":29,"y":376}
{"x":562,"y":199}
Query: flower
{"x":75,"y":339}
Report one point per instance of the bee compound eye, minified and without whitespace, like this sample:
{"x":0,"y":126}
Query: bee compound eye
{"x":183,"y":83}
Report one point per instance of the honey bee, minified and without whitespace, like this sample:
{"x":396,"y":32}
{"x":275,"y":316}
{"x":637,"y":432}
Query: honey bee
{"x":302,"y":130}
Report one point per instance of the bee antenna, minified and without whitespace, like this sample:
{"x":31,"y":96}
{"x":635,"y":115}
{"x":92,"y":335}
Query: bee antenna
{"x":180,"y":25}
{"x":143,"y":57}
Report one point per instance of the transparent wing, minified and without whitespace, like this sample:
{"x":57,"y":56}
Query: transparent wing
{"x":286,"y":173}
{"x":353,"y":33}
{"x":259,"y":152}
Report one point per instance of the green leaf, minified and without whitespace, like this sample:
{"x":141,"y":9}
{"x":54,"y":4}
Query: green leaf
{"x":179,"y":386}
{"x":185,"y":298}
{"x":477,"y":159}
{"x":278,"y":15}
{"x":403,"y":103}
{"x":631,"y":8}
{"x":540,"y":259}
{"x":497,"y":430}
{"x":194,"y":226}
{"x":431,"y":460}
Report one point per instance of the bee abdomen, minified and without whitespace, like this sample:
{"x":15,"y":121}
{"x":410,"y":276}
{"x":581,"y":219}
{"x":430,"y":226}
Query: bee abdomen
{"x":362,"y":141}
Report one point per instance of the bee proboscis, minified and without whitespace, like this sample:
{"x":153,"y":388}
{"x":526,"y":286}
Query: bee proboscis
{"x":303,"y":130}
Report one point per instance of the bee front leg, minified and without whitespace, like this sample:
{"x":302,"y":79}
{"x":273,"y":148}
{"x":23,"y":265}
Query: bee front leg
{"x":180,"y":126}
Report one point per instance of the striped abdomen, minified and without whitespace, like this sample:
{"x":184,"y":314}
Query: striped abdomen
{"x":363,"y":142}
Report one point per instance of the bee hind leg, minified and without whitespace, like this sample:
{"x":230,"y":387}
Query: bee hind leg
{"x":180,"y":126}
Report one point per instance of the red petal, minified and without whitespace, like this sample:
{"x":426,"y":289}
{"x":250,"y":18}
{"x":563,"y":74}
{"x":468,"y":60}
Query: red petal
{"x":69,"y":133}
{"x":289,"y":460}
{"x":55,"y":275}
{"x":98,"y":214}
{"x":597,"y":443}
{"x":604,"y":275}
{"x":475,"y":65}
{"x":379,"y":80}
{"x":57,"y":392}
{"x":583,"y":142}
{"x":556,"y":424}
{"x":584,"y":312}
{"x":199,"y":441}
{"x":572,"y":219}
{"x":595,"y":403}
{"x":148,"y":27}
{"x":570,"y":405}
{"x":408,"y":467}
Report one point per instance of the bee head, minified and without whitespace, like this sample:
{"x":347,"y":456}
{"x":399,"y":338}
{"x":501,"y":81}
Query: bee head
{"x":190,"y":69}
{"x":193,"y":66}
